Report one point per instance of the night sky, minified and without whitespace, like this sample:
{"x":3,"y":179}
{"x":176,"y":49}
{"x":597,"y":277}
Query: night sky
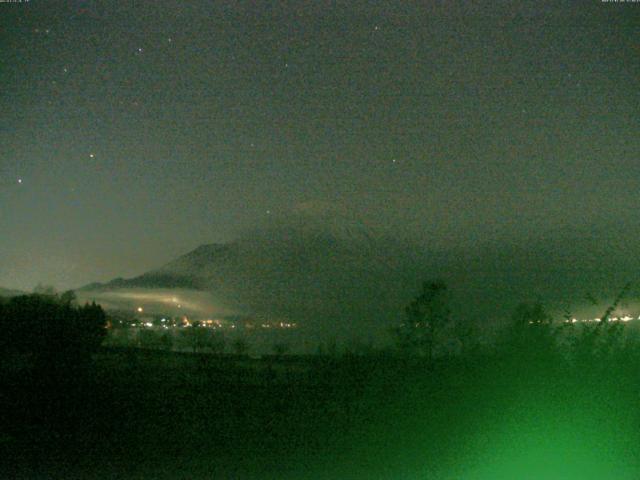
{"x":131,"y":132}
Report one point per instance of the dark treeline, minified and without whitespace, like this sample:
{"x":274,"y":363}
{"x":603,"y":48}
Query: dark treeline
{"x":530,"y":336}
{"x":546,"y":399}
{"x":51,"y":328}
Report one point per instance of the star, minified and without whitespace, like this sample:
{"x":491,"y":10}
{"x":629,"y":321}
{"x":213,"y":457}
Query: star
{"x":20,"y":181}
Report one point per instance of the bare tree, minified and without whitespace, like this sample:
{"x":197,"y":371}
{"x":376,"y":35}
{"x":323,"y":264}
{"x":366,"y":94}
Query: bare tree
{"x":425,"y":319}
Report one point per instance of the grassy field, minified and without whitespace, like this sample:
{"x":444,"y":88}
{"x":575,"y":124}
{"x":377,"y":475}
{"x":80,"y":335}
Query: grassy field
{"x":136,"y":414}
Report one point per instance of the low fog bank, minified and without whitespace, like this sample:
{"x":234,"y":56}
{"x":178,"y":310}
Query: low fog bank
{"x":158,"y":301}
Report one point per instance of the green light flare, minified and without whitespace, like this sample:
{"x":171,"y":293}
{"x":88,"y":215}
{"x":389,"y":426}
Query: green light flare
{"x":541,"y":445}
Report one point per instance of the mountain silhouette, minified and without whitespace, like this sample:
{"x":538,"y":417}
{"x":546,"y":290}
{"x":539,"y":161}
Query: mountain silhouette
{"x":338,"y":276}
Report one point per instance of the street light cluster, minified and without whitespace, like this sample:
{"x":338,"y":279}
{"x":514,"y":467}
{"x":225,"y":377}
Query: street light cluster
{"x":625,"y":319}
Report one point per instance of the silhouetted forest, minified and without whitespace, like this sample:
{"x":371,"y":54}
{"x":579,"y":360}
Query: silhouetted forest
{"x":51,"y":328}
{"x":546,"y":399}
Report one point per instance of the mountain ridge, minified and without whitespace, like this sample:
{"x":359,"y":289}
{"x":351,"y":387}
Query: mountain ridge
{"x":350,"y":276}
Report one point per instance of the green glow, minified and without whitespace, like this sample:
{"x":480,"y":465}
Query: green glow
{"x":552,"y":444}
